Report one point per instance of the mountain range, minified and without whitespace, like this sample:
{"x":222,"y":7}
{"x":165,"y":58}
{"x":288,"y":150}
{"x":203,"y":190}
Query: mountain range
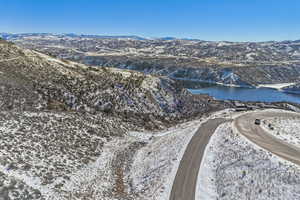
{"x":233,"y":63}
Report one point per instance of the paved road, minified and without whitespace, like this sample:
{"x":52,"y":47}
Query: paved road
{"x":245,"y":126}
{"x":185,"y":182}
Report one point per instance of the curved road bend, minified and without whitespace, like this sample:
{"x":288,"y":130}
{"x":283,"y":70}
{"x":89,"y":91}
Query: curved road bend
{"x":185,"y":182}
{"x":245,"y":126}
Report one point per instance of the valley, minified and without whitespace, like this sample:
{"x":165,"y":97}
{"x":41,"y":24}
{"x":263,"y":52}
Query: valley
{"x":75,"y":131}
{"x":64,"y":125}
{"x":149,"y":100}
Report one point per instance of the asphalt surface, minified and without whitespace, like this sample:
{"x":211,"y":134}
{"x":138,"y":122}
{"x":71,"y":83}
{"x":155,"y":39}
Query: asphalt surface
{"x":185,"y":182}
{"x":184,"y":186}
{"x":245,"y":126}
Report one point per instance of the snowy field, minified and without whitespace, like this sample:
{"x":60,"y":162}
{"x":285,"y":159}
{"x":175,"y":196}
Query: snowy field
{"x":234,"y":169}
{"x":155,"y":166}
{"x":287,"y":129}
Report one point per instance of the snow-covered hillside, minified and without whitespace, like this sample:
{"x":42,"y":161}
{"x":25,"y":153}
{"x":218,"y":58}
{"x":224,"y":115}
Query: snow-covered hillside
{"x":234,"y":169}
{"x":251,"y":63}
{"x":284,"y":129}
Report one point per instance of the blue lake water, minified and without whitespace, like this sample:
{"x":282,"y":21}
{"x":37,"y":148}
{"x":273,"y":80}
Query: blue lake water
{"x":247,"y":94}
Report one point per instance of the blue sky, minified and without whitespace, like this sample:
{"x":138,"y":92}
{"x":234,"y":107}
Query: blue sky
{"x":233,"y":20}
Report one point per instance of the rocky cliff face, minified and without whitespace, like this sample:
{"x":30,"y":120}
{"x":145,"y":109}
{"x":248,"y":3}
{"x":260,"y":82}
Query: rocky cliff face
{"x":246,"y":64}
